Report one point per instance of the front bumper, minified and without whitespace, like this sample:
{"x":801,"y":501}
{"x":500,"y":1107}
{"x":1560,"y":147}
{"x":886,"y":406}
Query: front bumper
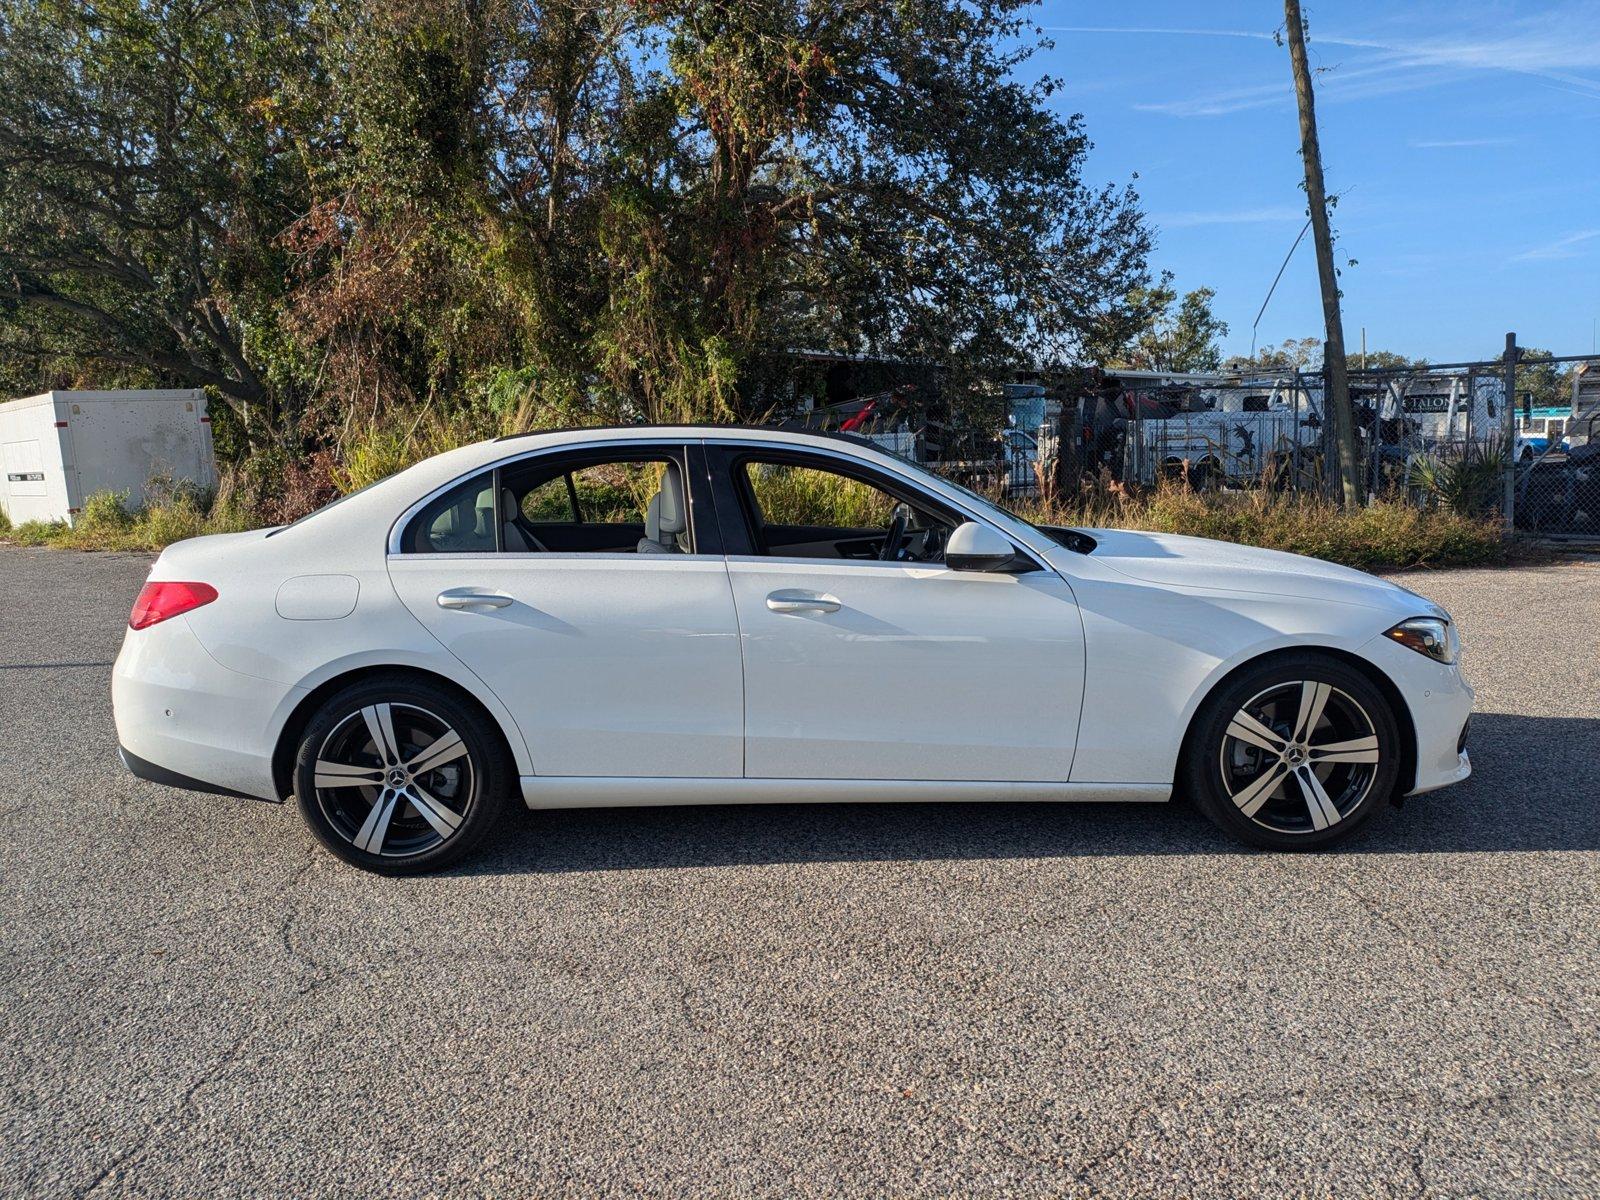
{"x":1439,"y":701}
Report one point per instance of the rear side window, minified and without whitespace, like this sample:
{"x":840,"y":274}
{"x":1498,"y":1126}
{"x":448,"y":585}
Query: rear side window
{"x":609,"y":493}
{"x":459,"y":522}
{"x":634,"y":500}
{"x":625,"y":505}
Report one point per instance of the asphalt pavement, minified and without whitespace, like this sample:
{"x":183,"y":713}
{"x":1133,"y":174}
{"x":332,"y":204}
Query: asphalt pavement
{"x":827,"y":1001}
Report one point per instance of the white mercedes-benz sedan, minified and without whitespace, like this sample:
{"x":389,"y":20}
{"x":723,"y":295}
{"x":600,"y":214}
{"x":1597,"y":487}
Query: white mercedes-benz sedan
{"x":697,"y":615}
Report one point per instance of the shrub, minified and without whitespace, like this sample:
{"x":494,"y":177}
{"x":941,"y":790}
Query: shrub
{"x":104,"y":513}
{"x":1470,"y":484}
{"x":5,"y":522}
{"x":38,"y":533}
{"x":173,"y":512}
{"x":278,"y":486}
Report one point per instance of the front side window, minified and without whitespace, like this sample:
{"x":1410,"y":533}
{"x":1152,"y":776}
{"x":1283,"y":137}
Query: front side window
{"x":808,"y":510}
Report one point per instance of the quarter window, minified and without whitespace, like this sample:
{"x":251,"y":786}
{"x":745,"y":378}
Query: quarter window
{"x":459,"y":522}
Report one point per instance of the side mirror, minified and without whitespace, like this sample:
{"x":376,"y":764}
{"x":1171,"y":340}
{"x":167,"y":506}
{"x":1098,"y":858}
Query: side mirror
{"x":974,"y":547}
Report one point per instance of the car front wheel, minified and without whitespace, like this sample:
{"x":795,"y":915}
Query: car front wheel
{"x":1294,"y":754}
{"x":397,"y":776}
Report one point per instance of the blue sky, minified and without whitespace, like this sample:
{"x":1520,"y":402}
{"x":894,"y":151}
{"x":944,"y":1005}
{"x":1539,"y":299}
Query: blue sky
{"x":1464,"y":138}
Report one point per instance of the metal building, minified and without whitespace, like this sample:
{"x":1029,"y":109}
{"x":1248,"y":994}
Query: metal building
{"x":60,"y":447}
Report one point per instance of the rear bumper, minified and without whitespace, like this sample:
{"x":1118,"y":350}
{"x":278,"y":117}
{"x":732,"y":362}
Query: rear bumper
{"x":158,"y":774}
{"x":185,"y":720}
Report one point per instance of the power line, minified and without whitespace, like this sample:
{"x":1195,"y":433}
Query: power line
{"x":1274,"y":286}
{"x":1300,"y":238}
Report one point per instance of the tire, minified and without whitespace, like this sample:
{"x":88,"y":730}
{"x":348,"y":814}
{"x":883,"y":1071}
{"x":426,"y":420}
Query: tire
{"x":1251,"y":769}
{"x":373,"y":808}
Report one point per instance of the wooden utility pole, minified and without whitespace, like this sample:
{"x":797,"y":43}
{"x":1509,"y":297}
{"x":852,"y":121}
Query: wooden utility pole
{"x":1335,"y":371}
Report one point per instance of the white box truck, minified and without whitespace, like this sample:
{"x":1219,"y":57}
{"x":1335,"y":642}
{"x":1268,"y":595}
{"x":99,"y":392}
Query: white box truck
{"x":58,"y":448}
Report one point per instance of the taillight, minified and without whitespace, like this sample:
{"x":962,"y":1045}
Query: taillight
{"x":158,"y":601}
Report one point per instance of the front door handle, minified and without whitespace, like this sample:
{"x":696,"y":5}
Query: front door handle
{"x":473,"y":600}
{"x":801,"y":602}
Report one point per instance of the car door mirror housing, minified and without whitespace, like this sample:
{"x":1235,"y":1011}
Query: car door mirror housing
{"x":975,"y":547}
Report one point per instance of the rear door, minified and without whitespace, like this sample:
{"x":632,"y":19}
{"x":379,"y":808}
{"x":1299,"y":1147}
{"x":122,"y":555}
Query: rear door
{"x":614,"y":662}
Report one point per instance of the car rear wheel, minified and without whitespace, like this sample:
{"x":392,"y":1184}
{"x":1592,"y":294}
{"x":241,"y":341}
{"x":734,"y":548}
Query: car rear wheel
{"x":397,"y":776}
{"x":1295,"y":754}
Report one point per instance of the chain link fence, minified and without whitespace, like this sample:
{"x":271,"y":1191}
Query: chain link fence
{"x":1515,"y":438}
{"x":1442,"y":435}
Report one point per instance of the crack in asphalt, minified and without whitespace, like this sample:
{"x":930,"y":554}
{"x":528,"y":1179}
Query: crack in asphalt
{"x":1442,"y":961}
{"x":130,"y":1153}
{"x":270,"y":1018}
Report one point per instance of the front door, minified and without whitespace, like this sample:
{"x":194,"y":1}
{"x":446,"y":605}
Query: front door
{"x":622,"y":660}
{"x":865,"y":657}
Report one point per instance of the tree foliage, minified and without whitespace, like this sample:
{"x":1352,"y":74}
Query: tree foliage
{"x":597,"y":209}
{"x":144,"y":182}
{"x":1540,"y":382}
{"x":1383,"y":360}
{"x":1293,"y":354}
{"x":1178,"y":335}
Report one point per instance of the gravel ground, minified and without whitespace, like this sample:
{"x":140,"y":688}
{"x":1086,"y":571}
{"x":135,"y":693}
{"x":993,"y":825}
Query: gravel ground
{"x":907,"y":1000}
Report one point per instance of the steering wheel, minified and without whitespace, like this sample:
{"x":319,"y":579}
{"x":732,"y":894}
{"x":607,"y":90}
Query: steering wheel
{"x":894,"y":538}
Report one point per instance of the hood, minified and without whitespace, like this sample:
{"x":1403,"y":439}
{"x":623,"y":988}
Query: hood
{"x":1174,"y":561}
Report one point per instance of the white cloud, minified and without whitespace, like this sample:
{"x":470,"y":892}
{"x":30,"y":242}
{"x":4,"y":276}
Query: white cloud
{"x":1347,"y":84}
{"x":1460,"y":143}
{"x":1571,"y":246}
{"x":1241,"y":216}
{"x":1227,"y":33}
{"x":1555,"y":48}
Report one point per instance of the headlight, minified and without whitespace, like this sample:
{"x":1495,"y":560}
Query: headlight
{"x":1428,"y":635}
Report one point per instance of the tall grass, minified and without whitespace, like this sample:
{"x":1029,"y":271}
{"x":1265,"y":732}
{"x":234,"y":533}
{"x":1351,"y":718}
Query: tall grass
{"x":794,"y":495}
{"x":171,"y":513}
{"x":1389,"y":531}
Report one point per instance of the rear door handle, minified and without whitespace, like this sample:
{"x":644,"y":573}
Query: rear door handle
{"x":466,"y":599}
{"x":801,"y":602}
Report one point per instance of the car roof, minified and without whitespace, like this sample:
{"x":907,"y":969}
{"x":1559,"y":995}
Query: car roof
{"x":787,"y":432}
{"x":426,"y":477}
{"x":482,"y":454}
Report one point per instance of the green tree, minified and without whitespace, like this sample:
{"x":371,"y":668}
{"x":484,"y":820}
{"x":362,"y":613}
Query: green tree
{"x":327,"y":210}
{"x":1383,"y":360}
{"x":1180,"y":335}
{"x":1540,"y":382}
{"x":145,"y":176}
{"x":859,"y":177}
{"x":1293,"y":354}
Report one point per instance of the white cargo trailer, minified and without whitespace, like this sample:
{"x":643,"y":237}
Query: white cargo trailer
{"x":58,"y":448}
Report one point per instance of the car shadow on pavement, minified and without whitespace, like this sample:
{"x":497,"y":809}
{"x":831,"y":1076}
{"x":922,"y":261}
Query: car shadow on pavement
{"x":1534,"y":788}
